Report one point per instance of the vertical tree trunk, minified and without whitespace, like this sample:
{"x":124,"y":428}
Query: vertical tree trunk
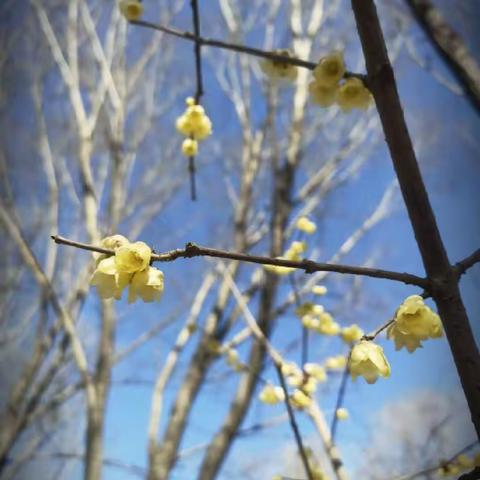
{"x":442,"y":276}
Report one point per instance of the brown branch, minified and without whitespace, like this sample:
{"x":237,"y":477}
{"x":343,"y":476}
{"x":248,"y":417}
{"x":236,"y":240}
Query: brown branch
{"x":256,"y":52}
{"x":468,"y":262}
{"x":309,"y":266}
{"x":450,"y":46}
{"x":442,"y":276}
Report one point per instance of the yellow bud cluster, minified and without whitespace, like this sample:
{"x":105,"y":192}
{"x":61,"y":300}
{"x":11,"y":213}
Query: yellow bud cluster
{"x":271,"y":395}
{"x":329,"y":86}
{"x":414,"y":322}
{"x":278,"y":70}
{"x":320,"y":321}
{"x":338,"y":362}
{"x":368,"y":360}
{"x":130,"y":266}
{"x":459,"y":465}
{"x":131,"y":9}
{"x":195,"y":125}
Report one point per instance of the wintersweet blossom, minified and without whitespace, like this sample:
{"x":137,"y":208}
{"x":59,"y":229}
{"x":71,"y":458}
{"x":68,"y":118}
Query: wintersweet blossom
{"x":319,"y":290}
{"x":133,"y":257}
{"x":326,"y":325}
{"x":194,"y":123}
{"x":322,"y":95}
{"x":108,"y":281}
{"x":316,"y":371}
{"x":353,"y":93}
{"x":414,"y":321}
{"x":189,"y":147}
{"x":368,"y":360}
{"x":330,"y":69}
{"x":342,"y":413}
{"x":306,"y":225}
{"x":309,"y":385}
{"x":300,"y":399}
{"x":131,"y":9}
{"x":352,"y":333}
{"x":146,"y":284}
{"x":279,"y":70}
{"x":233,"y":360}
{"x":271,"y":395}
{"x":336,"y":363}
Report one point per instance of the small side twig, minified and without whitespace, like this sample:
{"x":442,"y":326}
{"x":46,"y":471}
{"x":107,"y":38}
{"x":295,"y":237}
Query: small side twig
{"x":293,"y":423}
{"x":341,"y":395}
{"x":468,"y":262}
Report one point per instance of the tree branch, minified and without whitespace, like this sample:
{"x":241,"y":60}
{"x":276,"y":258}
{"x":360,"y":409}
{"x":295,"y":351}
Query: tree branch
{"x":468,"y":262}
{"x":309,"y":266}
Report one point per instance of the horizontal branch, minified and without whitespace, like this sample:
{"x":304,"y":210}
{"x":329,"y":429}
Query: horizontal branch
{"x":463,"y":265}
{"x":309,"y":266}
{"x":256,"y":52}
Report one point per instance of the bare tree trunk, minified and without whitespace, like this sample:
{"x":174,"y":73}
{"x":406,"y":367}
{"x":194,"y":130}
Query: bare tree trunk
{"x":450,"y":45}
{"x":443,"y":277}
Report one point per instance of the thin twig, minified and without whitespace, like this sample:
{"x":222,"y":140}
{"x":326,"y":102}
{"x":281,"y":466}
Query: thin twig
{"x":375,"y":333}
{"x":293,"y":423}
{"x":463,"y":265}
{"x":341,"y":395}
{"x":256,"y":52}
{"x":428,"y":470}
{"x":309,"y":266}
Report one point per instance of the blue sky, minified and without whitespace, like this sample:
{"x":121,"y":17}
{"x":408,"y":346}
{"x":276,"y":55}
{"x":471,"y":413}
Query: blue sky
{"x":443,"y":127}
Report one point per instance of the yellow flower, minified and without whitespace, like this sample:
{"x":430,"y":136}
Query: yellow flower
{"x":342,"y":413}
{"x":271,"y":395}
{"x":295,"y":249}
{"x":319,"y":290}
{"x":146,"y":284}
{"x":414,"y":322}
{"x":311,"y":322}
{"x":300,"y":400}
{"x":194,"y":122}
{"x":295,"y":379}
{"x":322,"y":95}
{"x":290,"y":369}
{"x":309,"y":386}
{"x":368,"y":360}
{"x":336,"y":363}
{"x":279,"y":270}
{"x":305,"y":225}
{"x":189,"y":147}
{"x":131,"y":9}
{"x":133,"y":257}
{"x":108,"y":281}
{"x":352,"y":333}
{"x":316,"y":371}
{"x":304,"y":309}
{"x":330,"y":69}
{"x":113,"y":242}
{"x":277,"y":69}
{"x":353,"y":94}
{"x":326,"y":325}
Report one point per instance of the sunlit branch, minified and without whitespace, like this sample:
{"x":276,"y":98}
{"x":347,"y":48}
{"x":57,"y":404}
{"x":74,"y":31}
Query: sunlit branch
{"x":375,"y":333}
{"x":309,"y":266}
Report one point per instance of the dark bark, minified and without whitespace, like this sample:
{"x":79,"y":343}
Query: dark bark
{"x":442,"y":276}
